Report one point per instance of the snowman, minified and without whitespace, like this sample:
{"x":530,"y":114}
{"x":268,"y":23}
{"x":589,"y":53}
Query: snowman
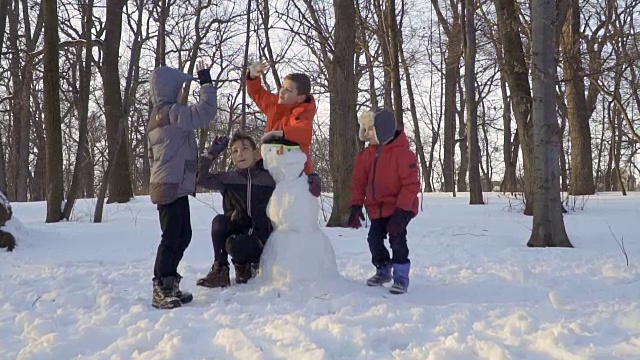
{"x":297,"y":251}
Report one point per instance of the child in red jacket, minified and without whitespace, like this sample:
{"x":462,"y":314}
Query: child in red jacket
{"x":289,"y":113}
{"x":385,"y":180}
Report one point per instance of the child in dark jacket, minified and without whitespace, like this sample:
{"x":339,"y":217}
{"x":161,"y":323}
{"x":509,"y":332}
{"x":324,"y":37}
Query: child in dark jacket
{"x":385,"y":180}
{"x":244,"y":227}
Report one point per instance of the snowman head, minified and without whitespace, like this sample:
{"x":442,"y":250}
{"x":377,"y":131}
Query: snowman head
{"x":284,"y":162}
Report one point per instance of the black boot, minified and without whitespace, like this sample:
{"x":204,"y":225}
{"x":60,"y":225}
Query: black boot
{"x":184,"y":296}
{"x":164,"y":293}
{"x":245,"y":272}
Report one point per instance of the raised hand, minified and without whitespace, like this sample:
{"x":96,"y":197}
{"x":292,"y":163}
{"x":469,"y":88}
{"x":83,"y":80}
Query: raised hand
{"x":218,"y":146}
{"x":258,"y":68}
{"x":204,"y":75}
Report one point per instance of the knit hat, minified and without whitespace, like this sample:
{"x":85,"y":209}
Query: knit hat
{"x":383,"y":122}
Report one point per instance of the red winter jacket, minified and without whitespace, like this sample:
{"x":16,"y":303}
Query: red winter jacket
{"x":386,"y":180}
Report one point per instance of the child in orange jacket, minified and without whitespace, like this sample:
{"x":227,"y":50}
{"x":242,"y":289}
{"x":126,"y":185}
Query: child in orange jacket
{"x":289,"y":113}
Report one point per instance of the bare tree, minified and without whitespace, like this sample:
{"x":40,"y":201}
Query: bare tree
{"x":82,"y":155}
{"x":517,"y":75}
{"x":578,"y":113}
{"x":548,"y":224}
{"x":52,"y":117}
{"x":120,"y":189}
{"x":343,"y":127}
{"x":454,"y":33}
{"x":475,"y":185}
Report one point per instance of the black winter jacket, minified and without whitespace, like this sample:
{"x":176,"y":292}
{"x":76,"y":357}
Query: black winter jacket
{"x":245,"y":195}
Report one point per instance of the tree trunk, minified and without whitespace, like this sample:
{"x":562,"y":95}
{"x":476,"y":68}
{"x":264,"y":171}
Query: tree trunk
{"x":548,"y":224}
{"x":517,"y":75}
{"x":120,"y":189}
{"x":563,"y":159}
{"x":4,"y":9}
{"x":451,"y":76}
{"x":581,"y":181}
{"x":475,"y":185}
{"x":88,"y":171}
{"x":83,"y":110}
{"x":414,"y":113}
{"x":381,"y":33}
{"x":245,"y":65}
{"x":394,"y":34}
{"x":267,"y":41}
{"x":3,"y":168}
{"x":343,"y":131}
{"x":52,"y":117}
{"x":164,"y":12}
{"x":461,"y":180}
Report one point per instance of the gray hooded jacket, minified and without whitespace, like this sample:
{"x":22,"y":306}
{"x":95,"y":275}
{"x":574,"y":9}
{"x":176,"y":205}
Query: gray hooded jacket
{"x":173,"y":150}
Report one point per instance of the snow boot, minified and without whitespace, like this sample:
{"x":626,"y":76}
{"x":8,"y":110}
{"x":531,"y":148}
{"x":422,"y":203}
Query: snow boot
{"x":164,"y":293}
{"x":400,"y":278}
{"x":245,"y":272}
{"x":184,"y":296}
{"x":382,"y":276}
{"x":217,"y":277}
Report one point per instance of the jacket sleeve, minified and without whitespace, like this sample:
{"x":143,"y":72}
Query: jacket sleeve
{"x":196,"y":116}
{"x":207,"y":179}
{"x":150,"y":152}
{"x":409,"y":179}
{"x":263,"y":99}
{"x":358,"y":181}
{"x":299,"y":128}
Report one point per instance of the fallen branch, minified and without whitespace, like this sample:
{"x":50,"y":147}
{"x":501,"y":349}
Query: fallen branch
{"x":620,"y":244}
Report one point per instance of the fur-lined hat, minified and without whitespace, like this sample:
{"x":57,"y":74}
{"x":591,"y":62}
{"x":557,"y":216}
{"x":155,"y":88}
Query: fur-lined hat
{"x":382,"y":121}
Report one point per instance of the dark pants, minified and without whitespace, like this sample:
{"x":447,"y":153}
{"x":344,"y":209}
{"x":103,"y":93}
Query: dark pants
{"x":229,"y":239}
{"x":379,"y":253}
{"x":175,"y":222}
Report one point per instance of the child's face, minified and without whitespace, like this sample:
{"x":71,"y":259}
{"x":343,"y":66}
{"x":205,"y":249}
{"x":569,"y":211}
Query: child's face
{"x":242,"y":154}
{"x":370,"y":135}
{"x":289,"y":93}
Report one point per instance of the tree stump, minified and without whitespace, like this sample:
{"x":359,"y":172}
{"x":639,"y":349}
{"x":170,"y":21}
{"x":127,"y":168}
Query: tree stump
{"x":6,"y":239}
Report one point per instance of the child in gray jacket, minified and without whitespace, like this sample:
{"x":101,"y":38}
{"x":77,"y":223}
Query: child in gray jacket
{"x":173,"y":156}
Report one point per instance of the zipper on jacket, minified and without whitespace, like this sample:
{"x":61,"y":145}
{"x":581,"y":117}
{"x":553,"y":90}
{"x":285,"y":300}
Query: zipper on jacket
{"x":249,"y":199}
{"x":375,"y":166}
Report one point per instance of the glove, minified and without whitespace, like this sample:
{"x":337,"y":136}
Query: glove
{"x":355,"y":216}
{"x":204,"y":75}
{"x":272,"y":136}
{"x":399,"y":221}
{"x":218,"y":146}
{"x":315,"y":184}
{"x":257,"y":68}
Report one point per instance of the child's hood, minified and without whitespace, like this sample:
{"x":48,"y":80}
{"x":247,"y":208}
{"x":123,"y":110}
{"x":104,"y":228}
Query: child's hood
{"x":309,"y":104}
{"x":399,"y":140}
{"x":165,"y":83}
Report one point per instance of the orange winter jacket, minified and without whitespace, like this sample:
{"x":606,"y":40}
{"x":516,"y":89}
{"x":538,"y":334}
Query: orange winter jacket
{"x":295,"y":120}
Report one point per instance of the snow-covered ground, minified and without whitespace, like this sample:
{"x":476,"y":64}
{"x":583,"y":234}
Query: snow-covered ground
{"x":79,"y":290}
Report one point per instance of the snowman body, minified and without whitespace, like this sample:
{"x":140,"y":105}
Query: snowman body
{"x":297,"y":250}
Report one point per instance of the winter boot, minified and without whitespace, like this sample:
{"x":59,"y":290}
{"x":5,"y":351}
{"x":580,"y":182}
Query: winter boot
{"x":382,"y":276}
{"x":164,"y":293}
{"x":400,"y":278}
{"x":244,"y":272}
{"x":184,"y":296}
{"x":217,"y":277}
